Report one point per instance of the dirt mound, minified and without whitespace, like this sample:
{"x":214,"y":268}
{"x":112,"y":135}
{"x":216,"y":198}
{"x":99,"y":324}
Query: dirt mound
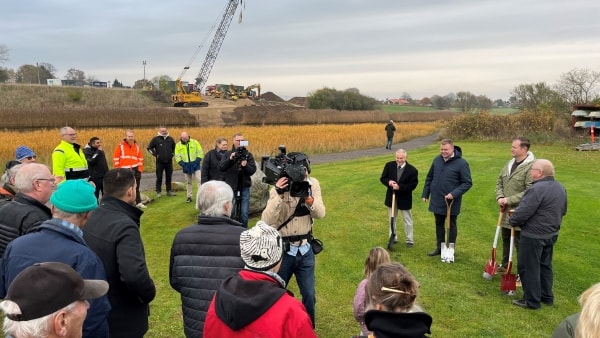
{"x":270,"y":96}
{"x":298,"y":100}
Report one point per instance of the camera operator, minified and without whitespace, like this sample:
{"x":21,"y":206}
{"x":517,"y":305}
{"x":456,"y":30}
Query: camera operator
{"x":238,"y":166}
{"x":292,"y":211}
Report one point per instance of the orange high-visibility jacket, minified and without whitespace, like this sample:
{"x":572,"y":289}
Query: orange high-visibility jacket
{"x":128,"y":156}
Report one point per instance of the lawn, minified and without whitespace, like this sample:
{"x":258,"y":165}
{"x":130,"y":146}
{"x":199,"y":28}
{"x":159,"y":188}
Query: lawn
{"x":461,"y":302}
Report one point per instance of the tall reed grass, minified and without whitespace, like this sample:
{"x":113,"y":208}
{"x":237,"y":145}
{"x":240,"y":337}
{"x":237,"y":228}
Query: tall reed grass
{"x":317,"y":139}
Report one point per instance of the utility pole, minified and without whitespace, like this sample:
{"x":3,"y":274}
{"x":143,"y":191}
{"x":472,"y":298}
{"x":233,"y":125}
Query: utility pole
{"x":144,"y":63}
{"x":38,"y":71}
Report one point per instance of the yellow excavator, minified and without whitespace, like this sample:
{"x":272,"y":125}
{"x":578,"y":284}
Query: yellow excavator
{"x":183,"y":98}
{"x":248,"y":91}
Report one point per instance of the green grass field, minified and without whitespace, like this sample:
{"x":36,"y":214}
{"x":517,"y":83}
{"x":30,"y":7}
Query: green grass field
{"x":461,"y":302}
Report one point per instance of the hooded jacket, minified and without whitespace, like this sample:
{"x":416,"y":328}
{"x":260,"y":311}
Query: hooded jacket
{"x":254,"y":304}
{"x":452,"y":176}
{"x":162,"y":147}
{"x":512,"y":185}
{"x":385,"y":324}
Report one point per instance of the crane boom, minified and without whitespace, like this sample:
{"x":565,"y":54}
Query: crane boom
{"x":215,"y":46}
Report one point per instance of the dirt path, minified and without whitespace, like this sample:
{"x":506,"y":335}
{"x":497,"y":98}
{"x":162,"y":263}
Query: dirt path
{"x":149,"y":178}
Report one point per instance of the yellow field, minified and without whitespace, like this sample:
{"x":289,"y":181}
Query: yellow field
{"x":316,"y":139}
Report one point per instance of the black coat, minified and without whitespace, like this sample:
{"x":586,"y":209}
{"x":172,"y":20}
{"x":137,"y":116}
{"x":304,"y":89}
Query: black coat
{"x":210,"y":166}
{"x":386,"y":324}
{"x":232,"y":172}
{"x":19,"y":217}
{"x":113,"y":233}
{"x":163,"y":148}
{"x":408,"y":182}
{"x":202,"y":256}
{"x":96,"y":160}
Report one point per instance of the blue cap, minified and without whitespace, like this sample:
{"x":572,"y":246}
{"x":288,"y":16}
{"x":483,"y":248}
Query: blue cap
{"x":22,"y":152}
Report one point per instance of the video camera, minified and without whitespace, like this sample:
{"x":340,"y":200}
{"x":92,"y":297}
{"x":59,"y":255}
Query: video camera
{"x":241,"y":153}
{"x":290,"y":165}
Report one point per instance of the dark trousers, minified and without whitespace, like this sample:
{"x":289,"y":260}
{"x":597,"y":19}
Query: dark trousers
{"x":535,"y":269}
{"x":506,"y":245}
{"x":138,"y":178}
{"x":99,"y":185}
{"x":440,"y":229}
{"x":388,"y":145}
{"x":168,"y":169}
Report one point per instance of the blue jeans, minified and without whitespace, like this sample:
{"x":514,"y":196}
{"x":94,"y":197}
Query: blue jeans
{"x":245,"y":206}
{"x":304,"y":269}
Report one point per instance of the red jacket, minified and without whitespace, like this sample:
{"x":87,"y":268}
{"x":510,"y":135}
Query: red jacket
{"x":254,"y":304}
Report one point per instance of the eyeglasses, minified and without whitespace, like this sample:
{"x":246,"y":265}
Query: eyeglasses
{"x":536,"y":169}
{"x":53,"y":180}
{"x":74,"y":134}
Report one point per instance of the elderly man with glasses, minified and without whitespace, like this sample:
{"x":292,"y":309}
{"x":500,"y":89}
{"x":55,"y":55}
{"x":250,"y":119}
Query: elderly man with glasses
{"x":539,"y":215}
{"x":34,"y":184}
{"x":68,"y":159}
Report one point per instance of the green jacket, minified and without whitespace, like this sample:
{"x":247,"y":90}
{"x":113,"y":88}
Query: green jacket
{"x":512,"y":186}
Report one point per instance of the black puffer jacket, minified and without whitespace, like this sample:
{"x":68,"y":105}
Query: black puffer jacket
{"x":19,"y":217}
{"x":202,"y":256}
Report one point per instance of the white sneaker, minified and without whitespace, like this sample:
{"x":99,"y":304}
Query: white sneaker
{"x":141,"y":206}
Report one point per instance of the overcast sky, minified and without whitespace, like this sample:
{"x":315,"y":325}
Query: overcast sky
{"x":381,"y":47}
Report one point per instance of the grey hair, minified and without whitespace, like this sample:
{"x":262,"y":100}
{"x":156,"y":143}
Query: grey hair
{"x":39,"y":327}
{"x":212,"y":197}
{"x":27,"y":174}
{"x":64,"y":129}
{"x":11,"y":173}
{"x":401,"y":151}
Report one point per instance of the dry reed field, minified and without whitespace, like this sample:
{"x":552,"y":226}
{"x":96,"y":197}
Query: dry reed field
{"x":316,"y":139}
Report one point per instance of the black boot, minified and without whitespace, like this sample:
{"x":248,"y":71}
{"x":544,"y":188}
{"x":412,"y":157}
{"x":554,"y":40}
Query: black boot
{"x":435,"y":252}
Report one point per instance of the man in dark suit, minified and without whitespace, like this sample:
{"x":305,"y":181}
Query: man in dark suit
{"x":401,"y":179}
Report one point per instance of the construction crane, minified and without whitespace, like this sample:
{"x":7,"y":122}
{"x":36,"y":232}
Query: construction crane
{"x":182,"y":97}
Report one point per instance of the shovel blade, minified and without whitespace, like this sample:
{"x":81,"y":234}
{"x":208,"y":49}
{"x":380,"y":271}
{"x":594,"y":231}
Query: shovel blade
{"x":490,"y":267}
{"x":508,"y":282}
{"x":444,"y":253}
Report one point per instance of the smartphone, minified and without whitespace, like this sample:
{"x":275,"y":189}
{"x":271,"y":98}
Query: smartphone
{"x":244,"y":143}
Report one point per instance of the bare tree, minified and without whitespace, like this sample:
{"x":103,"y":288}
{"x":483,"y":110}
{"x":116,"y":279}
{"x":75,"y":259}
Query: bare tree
{"x":75,"y":74}
{"x":579,"y":86}
{"x":484,"y":102}
{"x":4,"y":53}
{"x":532,"y":96}
{"x":465,"y":101}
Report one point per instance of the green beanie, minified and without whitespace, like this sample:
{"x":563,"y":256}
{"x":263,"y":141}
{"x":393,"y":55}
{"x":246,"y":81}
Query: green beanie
{"x":74,"y":196}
